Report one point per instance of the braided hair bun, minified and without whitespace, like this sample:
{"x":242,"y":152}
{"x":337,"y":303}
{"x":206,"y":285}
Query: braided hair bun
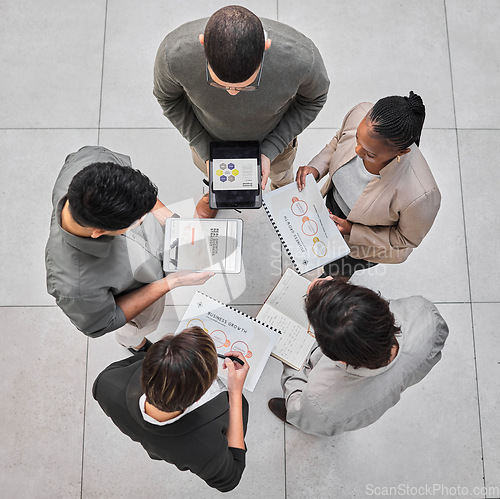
{"x":399,"y":120}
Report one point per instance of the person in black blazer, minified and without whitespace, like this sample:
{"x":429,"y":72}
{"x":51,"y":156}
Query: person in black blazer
{"x":189,"y":420}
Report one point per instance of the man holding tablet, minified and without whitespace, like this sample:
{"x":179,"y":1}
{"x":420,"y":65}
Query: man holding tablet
{"x":237,"y":78}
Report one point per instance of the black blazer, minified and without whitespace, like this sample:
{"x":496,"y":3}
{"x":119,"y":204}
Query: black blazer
{"x":197,"y":442}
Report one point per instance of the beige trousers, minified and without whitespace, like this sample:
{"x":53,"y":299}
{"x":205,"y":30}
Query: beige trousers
{"x":132,"y":334}
{"x":281,"y":168}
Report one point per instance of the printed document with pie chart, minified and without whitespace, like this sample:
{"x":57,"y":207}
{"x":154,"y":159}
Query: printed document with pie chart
{"x":232,"y":330}
{"x":304,"y":226}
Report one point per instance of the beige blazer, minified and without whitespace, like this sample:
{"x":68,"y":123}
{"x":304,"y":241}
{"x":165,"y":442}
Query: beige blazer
{"x":394,"y":212}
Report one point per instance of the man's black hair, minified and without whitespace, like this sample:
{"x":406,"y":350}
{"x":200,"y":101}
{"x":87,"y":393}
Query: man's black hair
{"x":352,"y":324}
{"x":109,"y":196}
{"x":399,"y":120}
{"x":234,"y":43}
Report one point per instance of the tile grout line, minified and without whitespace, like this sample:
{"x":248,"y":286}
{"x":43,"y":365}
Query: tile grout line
{"x":284,"y":457}
{"x":102,"y":73}
{"x":479,"y":129}
{"x":466,"y":246}
{"x":284,"y":424}
{"x":87,"y":352}
{"x":84,"y":415}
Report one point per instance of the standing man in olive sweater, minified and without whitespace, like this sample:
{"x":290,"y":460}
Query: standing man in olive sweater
{"x":236,"y":77}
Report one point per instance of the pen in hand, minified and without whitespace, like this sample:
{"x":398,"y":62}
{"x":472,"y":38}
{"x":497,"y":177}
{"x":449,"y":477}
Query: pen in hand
{"x":231,"y":357}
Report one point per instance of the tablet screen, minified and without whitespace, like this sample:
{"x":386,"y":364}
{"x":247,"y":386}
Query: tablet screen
{"x":235,"y":174}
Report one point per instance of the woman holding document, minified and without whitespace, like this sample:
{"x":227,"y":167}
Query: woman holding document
{"x":171,"y":402}
{"x":381,"y":193}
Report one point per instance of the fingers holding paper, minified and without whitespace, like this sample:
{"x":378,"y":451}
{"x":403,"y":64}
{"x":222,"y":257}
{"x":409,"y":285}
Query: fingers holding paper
{"x":302,"y":173}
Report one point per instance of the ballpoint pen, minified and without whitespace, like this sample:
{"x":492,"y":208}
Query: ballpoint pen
{"x":232,"y":357}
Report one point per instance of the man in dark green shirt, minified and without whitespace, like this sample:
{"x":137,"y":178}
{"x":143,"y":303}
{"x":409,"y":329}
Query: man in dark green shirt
{"x":237,"y":77}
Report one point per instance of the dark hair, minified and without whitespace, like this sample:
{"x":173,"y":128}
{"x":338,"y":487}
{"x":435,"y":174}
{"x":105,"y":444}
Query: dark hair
{"x":234,"y":43}
{"x":110,"y":196}
{"x":399,"y":120}
{"x":178,"y":370}
{"x":352,"y":324}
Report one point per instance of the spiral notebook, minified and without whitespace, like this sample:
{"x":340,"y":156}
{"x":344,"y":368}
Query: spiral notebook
{"x":232,"y":330}
{"x":285,"y":310}
{"x":301,"y":220}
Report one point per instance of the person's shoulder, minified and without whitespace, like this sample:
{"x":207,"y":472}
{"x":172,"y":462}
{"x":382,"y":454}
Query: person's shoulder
{"x":418,"y":167}
{"x":181,"y":48}
{"x":88,"y":155}
{"x":186,"y":33}
{"x":288,"y":41}
{"x":417,"y":316}
{"x":354,"y":117}
{"x":116,"y":377}
{"x":270,"y":25}
{"x":359,"y":111}
{"x":286,"y":38}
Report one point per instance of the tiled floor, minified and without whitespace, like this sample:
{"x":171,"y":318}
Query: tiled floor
{"x":76,"y":73}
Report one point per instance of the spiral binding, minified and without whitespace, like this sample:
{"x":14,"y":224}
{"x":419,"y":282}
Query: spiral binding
{"x":242,"y":313}
{"x":281,"y":238}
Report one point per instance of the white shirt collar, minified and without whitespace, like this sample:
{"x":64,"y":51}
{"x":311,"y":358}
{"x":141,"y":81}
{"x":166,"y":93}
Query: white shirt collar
{"x":214,"y":390}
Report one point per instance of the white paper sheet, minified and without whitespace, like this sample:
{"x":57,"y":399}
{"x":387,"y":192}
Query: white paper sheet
{"x":231,"y":330}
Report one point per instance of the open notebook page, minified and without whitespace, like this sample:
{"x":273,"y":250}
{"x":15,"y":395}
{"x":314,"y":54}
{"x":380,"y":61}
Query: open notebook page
{"x":284,"y":310}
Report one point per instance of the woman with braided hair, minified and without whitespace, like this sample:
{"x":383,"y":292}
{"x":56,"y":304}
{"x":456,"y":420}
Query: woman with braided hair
{"x":380,"y":190}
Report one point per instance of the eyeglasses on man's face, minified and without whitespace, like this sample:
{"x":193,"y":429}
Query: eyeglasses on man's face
{"x":247,"y":88}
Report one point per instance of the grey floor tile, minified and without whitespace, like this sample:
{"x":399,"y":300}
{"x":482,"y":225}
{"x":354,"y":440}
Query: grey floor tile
{"x":487,"y":338}
{"x":475,"y":61}
{"x":437,"y":269}
{"x":480,"y":181}
{"x":42,"y":412}
{"x":53,"y":52}
{"x":377,"y":49}
{"x":134,"y":32}
{"x":113,"y":461}
{"x":430,"y":437}
{"x":311,"y":142}
{"x":31,"y":160}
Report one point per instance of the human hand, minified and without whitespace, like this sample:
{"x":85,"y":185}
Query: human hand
{"x":302,"y":173}
{"x":342,"y":224}
{"x":265,"y":164}
{"x":185,"y":278}
{"x":236,"y":373}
